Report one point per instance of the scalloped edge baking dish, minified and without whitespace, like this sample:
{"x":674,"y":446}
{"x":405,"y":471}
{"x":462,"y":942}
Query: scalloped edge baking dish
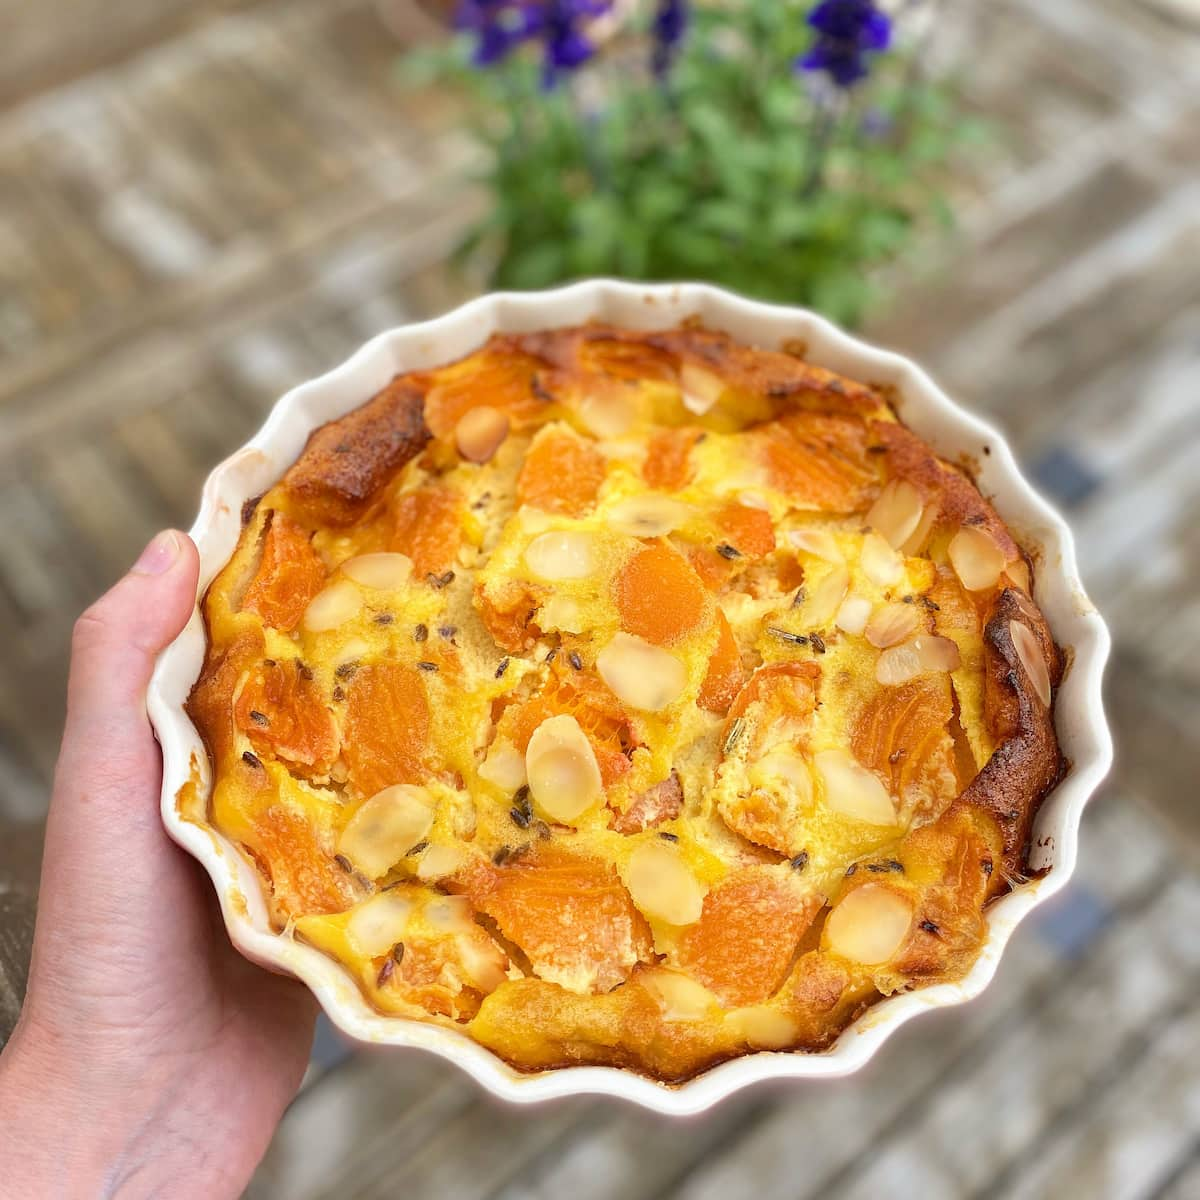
{"x":955,"y":434}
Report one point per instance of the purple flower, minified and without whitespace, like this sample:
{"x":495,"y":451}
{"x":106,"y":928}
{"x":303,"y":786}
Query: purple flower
{"x":670,"y":24}
{"x":847,"y":32}
{"x":560,"y":25}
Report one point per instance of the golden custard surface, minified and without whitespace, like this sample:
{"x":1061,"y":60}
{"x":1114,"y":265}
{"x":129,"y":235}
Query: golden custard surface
{"x":630,"y":698}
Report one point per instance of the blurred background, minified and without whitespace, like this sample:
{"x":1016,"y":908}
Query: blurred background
{"x":204,"y":202}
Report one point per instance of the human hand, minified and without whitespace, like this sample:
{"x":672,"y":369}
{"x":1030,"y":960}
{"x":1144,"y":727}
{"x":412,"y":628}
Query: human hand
{"x":150,"y":1058}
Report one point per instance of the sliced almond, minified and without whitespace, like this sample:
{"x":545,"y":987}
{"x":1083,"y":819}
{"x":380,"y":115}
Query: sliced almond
{"x":976,"y":558}
{"x":852,"y":790}
{"x":897,"y":512}
{"x":891,"y":624}
{"x":880,"y":563}
{"x":384,"y":572}
{"x":332,"y":607}
{"x":937,"y":653}
{"x":449,"y":914}
{"x":820,"y":543}
{"x":824,"y":598}
{"x":378,"y":924}
{"x":504,"y":766}
{"x":701,"y":389}
{"x":564,"y":778}
{"x":898,"y":664}
{"x":680,"y":998}
{"x":853,"y":615}
{"x":1032,"y":659}
{"x":784,"y":767}
{"x":386,"y":827}
{"x":439,"y":861}
{"x":563,"y":613}
{"x":480,"y":433}
{"x":1018,"y":575}
{"x":662,"y":886}
{"x":609,"y":411}
{"x":763,"y":1027}
{"x":640,"y":674}
{"x":869,"y":924}
{"x":919,"y":537}
{"x":484,"y":967}
{"x":561,"y":554}
{"x":646,"y":516}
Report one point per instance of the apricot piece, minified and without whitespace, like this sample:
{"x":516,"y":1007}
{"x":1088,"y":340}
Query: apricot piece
{"x":667,"y":466}
{"x":386,"y":727}
{"x":901,"y":734}
{"x":788,"y":688}
{"x":659,"y":596}
{"x":569,"y":914}
{"x":499,"y":378}
{"x":289,"y":574}
{"x":506,"y":611}
{"x":447,"y":975}
{"x":304,"y":879}
{"x":724,"y":677}
{"x":622,"y":359}
{"x":427,"y":526}
{"x":820,"y":460}
{"x":743,"y":944}
{"x":748,"y":530}
{"x":599,"y":714}
{"x":281,"y":710}
{"x":562,"y":473}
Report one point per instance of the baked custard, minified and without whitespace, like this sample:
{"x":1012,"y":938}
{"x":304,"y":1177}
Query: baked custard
{"x":631,"y":698}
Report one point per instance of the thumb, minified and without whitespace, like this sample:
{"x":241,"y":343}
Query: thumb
{"x":108,"y":746}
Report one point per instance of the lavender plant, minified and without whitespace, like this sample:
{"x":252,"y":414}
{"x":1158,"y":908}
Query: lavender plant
{"x":779,"y":147}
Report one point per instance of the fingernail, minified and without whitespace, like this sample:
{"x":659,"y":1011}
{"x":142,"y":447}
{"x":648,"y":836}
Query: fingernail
{"x":158,"y":556}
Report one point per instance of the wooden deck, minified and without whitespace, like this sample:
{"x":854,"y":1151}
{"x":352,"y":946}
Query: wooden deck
{"x":203,"y":204}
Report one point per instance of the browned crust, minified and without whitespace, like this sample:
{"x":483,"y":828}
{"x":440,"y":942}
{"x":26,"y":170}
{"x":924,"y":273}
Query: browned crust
{"x":347,"y":462}
{"x":1027,"y":763}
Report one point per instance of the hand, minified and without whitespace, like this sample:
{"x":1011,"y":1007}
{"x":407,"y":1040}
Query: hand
{"x":150,"y":1058}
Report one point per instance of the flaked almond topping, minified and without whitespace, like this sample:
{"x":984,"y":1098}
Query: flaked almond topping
{"x":763,"y":1027}
{"x":334,"y":606}
{"x":1032,"y":659}
{"x":897,"y":512}
{"x":891,"y":624}
{"x":384,"y":572}
{"x":662,"y":886}
{"x":608,"y":412}
{"x":701,"y":389}
{"x":647,"y":515}
{"x":563,"y":613}
{"x":1018,"y":575}
{"x":480,"y":432}
{"x":564,"y":778}
{"x":561,"y":554}
{"x":852,"y":790}
{"x":898,"y":664}
{"x":439,"y":861}
{"x":640,"y":674}
{"x":378,"y":924}
{"x":449,"y":914}
{"x":484,"y":968}
{"x":385,"y":827}
{"x":853,"y":615}
{"x":820,"y":543}
{"x":880,"y":563}
{"x":680,"y":998}
{"x":504,"y":766}
{"x":976,"y":559}
{"x":869,"y":924}
{"x":823,"y":598}
{"x":937,"y":653}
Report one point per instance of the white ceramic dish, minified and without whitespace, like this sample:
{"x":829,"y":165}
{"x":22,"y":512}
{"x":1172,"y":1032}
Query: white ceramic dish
{"x":1082,"y":730}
